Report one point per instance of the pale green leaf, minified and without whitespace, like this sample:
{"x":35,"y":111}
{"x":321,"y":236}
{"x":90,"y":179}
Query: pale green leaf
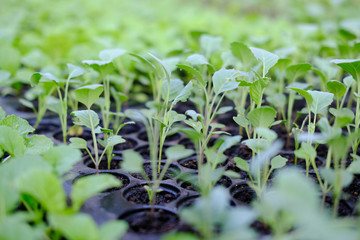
{"x":209,"y":44}
{"x":178,"y":152}
{"x":88,"y":186}
{"x":242,"y":164}
{"x":111,"y":54}
{"x":75,"y":71}
{"x":267,"y":59}
{"x":321,"y":100}
{"x":11,"y":141}
{"x":113,"y":230}
{"x":241,"y":121}
{"x":78,"y":143}
{"x":133,"y":162}
{"x":225,"y":80}
{"x":184,"y":94}
{"x":18,"y":124}
{"x":82,"y":118}
{"x":176,"y":86}
{"x":278,"y":162}
{"x":38,"y":144}
{"x":45,"y":187}
{"x":333,"y":176}
{"x":197,"y":59}
{"x":293,"y":72}
{"x":193,"y":72}
{"x":114,"y":140}
{"x":89,"y":94}
{"x":337,"y":88}
{"x":262,"y":117}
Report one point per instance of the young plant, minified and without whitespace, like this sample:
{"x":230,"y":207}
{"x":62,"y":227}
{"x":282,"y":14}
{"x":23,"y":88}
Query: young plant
{"x":88,"y":95}
{"x":60,"y":105}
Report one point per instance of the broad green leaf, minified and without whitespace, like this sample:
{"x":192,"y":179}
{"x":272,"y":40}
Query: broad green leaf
{"x":38,"y":144}
{"x":229,"y":141}
{"x":242,"y":164}
{"x":337,"y":88}
{"x":82,"y":118}
{"x":114,"y":140}
{"x":348,"y":81}
{"x":293,"y":72}
{"x":113,"y":230}
{"x":242,"y":52}
{"x":278,"y":162}
{"x":225,"y":80}
{"x":97,"y":65}
{"x":79,"y":226}
{"x":178,"y":152}
{"x":54,"y":105}
{"x":36,"y":78}
{"x":209,"y":44}
{"x":241,"y":121}
{"x":135,"y":115}
{"x":184,"y":94}
{"x":133,"y":162}
{"x":332,"y":176}
{"x":62,"y":158}
{"x":176,"y":85}
{"x":224,"y":109}
{"x":193,"y":72}
{"x":12,"y":227}
{"x":18,"y":124}
{"x":10,"y":57}
{"x":267,"y":59}
{"x":306,"y":151}
{"x":262,"y":117}
{"x":27,"y":103}
{"x":111,"y":54}
{"x":266,"y":133}
{"x":256,"y":145}
{"x":197,"y":59}
{"x":11,"y":141}
{"x":194,"y":115}
{"x":75,"y":71}
{"x":321,"y":100}
{"x":88,"y":186}
{"x":196,"y":125}
{"x":354,"y":167}
{"x":305,"y":94}
{"x":343,"y":116}
{"x":256,"y":91}
{"x":89,"y":94}
{"x":351,"y":66}
{"x":45,"y":187}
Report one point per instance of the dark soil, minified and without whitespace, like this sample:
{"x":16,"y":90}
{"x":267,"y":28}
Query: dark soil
{"x":143,"y":221}
{"x":239,"y":150}
{"x":139,"y":195}
{"x":172,"y":172}
{"x":145,"y":151}
{"x":130,"y":128}
{"x":192,"y":163}
{"x":115,"y":163}
{"x":243,"y":194}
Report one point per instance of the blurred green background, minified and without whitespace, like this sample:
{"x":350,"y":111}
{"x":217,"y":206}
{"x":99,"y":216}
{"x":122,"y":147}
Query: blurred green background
{"x":46,"y":34}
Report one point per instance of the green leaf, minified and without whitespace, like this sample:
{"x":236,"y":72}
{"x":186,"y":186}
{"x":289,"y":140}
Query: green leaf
{"x":78,"y":143}
{"x":89,"y":94}
{"x":75,"y":71}
{"x":266,"y":133}
{"x":82,"y":118}
{"x":348,"y":81}
{"x":224,"y":109}
{"x":97,"y":65}
{"x":278,"y":162}
{"x":114,"y":140}
{"x":256,"y":91}
{"x":45,"y":187}
{"x":321,"y":100}
{"x":27,"y":103}
{"x":242,"y":52}
{"x":2,"y":113}
{"x":241,"y":121}
{"x":209,"y":44}
{"x":343,"y":116}
{"x":197,"y":59}
{"x":133,"y":162}
{"x":176,"y":85}
{"x":295,"y":71}
{"x":18,"y":124}
{"x":12,"y":227}
{"x":136,"y":115}
{"x":351,"y":66}
{"x":306,"y":151}
{"x":225,"y":80}
{"x":38,"y":144}
{"x":337,"y":88}
{"x":242,"y":164}
{"x":256,"y":145}
{"x":54,"y":105}
{"x":62,"y":158}
{"x":113,"y":230}
{"x":229,"y":141}
{"x":193,"y":72}
{"x":332,"y":176}
{"x":88,"y":186}
{"x":267,"y":59}
{"x":354,"y":167}
{"x":262,"y":117}
{"x":11,"y":141}
{"x":10,"y":57}
{"x":48,"y":77}
{"x":194,"y":115}
{"x":79,"y":226}
{"x":110,"y":54}
{"x":305,"y":94}
{"x":184,"y":94}
{"x":178,"y":152}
